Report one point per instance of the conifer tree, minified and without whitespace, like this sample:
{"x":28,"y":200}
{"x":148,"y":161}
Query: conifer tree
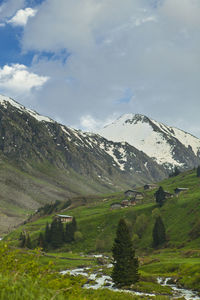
{"x":56,"y":233}
{"x":69,"y":234}
{"x":159,"y":237}
{"x":28,"y":243}
{"x":160,"y":196}
{"x":125,"y":270}
{"x":61,"y":231}
{"x":47,"y":234}
{"x":74,"y":225}
{"x":70,"y":230}
{"x":198,"y":171}
{"x":22,"y":239}
{"x":41,"y":241}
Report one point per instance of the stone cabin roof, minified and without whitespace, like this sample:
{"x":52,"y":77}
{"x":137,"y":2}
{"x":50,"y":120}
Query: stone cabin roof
{"x":179,"y":190}
{"x":64,"y":216}
{"x":133,"y":192}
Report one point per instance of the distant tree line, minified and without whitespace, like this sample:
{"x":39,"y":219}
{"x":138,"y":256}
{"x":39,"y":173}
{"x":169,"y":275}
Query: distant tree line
{"x":50,"y":208}
{"x":25,"y":240}
{"x":54,"y":236}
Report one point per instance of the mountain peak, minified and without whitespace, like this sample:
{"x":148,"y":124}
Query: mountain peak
{"x":129,"y":119}
{"x":167,"y":145}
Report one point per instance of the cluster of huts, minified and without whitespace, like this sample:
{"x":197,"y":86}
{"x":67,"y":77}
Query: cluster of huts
{"x":64,"y":218}
{"x":133,"y":197}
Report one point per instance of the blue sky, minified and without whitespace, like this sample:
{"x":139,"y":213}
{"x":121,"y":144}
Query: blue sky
{"x":86,"y":62}
{"x":11,"y":37}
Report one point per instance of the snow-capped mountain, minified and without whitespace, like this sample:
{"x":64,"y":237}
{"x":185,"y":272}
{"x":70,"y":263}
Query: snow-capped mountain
{"x":101,"y":165}
{"x":168,"y":146}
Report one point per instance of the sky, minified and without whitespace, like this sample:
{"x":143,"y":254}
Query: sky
{"x":86,"y":62}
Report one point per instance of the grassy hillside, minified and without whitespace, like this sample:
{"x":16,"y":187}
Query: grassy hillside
{"x":22,"y":191}
{"x":97,"y":223}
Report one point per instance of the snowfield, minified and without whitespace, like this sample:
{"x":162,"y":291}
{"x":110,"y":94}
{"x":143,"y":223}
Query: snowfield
{"x":150,"y":137}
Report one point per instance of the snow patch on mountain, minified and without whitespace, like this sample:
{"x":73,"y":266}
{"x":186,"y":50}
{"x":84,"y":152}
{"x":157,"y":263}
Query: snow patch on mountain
{"x":150,"y":137}
{"x":5,"y":100}
{"x":111,"y":152}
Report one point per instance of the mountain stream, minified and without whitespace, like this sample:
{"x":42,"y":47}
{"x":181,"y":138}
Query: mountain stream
{"x":97,"y":281}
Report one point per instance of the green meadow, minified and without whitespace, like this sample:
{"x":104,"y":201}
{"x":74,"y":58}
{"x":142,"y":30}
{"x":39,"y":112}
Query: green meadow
{"x":179,"y":258}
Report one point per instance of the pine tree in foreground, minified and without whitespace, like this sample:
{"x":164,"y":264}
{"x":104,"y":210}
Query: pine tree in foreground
{"x":159,"y":237}
{"x":125,"y":270}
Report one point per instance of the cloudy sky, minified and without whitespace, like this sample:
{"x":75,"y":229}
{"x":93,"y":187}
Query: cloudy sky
{"x":85,"y":62}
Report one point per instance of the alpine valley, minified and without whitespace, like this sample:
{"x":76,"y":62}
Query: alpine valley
{"x":42,"y":161}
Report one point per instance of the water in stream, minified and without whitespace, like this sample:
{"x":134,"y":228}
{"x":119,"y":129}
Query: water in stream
{"x":187,"y":294}
{"x":104,"y":281}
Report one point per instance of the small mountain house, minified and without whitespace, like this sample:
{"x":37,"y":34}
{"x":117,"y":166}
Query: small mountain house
{"x":125,"y":203}
{"x":64,"y":218}
{"x":168,"y":195}
{"x":134,"y":194}
{"x":150,"y":186}
{"x":179,"y":190}
{"x":116,"y":206}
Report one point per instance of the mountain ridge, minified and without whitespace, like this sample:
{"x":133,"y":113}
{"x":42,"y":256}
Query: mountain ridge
{"x":167,"y":145}
{"x":43,"y":161}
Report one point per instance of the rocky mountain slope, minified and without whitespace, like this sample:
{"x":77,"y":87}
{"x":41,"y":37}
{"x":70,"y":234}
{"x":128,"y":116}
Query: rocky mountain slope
{"x":43,"y":161}
{"x":168,"y":146}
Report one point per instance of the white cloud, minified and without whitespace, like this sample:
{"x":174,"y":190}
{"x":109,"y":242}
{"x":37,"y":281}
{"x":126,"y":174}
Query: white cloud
{"x":17,"y":78}
{"x":183,"y":12}
{"x":89,"y":123}
{"x":22,"y":16}
{"x":115,"y":46}
{"x":9,"y":7}
{"x":74,"y":24}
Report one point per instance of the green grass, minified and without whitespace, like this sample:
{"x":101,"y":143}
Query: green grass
{"x":22,"y":276}
{"x":97,"y":223}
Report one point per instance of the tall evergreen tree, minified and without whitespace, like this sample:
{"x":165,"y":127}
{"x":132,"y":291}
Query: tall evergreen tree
{"x":70,"y":230}
{"x":74,"y":225}
{"x":28,"y":243}
{"x":160,"y":196}
{"x":69,"y":233}
{"x":125,"y":270}
{"x":47,"y":234}
{"x":22,"y":239}
{"x":56,"y":233}
{"x":159,"y":237}
{"x":61,"y":231}
{"x":198,"y":171}
{"x":41,"y":241}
